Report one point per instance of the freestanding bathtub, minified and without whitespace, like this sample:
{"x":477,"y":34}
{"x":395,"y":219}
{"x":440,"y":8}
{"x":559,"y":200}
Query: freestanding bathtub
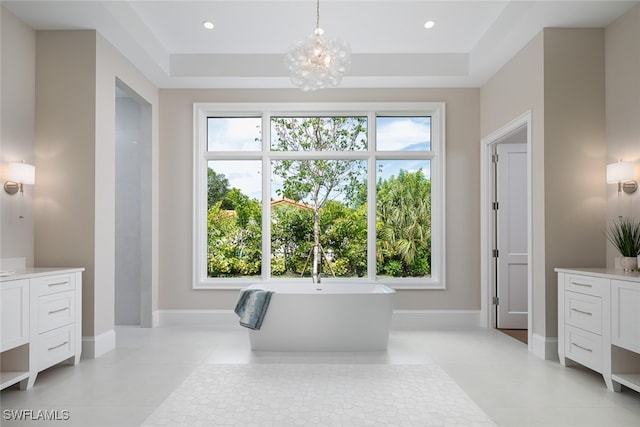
{"x":325,"y":317}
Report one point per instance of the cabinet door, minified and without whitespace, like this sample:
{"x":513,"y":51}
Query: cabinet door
{"x":625,"y":314}
{"x":14,"y":313}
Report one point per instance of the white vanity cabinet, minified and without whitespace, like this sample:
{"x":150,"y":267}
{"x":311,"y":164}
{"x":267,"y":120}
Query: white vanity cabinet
{"x":599,"y":323}
{"x":625,"y":333}
{"x":14,"y":332}
{"x":41,"y":312}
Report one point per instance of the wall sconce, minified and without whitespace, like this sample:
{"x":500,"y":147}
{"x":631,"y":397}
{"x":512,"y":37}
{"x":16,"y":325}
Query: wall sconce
{"x":17,"y":175}
{"x":622,"y":173}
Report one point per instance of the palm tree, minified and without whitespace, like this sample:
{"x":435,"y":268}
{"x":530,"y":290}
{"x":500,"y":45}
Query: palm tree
{"x":404,"y":218}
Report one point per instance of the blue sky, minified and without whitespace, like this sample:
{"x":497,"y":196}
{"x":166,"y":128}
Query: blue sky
{"x":240,"y":134}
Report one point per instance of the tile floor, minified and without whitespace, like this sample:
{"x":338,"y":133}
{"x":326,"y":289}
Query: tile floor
{"x":515,"y":388}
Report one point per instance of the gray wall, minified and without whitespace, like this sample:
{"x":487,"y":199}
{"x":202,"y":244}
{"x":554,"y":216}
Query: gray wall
{"x":17,"y":91}
{"x":75,"y":152}
{"x":623,"y":110}
{"x":559,"y":77}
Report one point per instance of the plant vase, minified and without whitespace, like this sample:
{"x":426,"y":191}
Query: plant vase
{"x":628,"y":263}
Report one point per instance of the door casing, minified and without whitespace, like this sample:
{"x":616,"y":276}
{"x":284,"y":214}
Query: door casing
{"x":487,"y":268}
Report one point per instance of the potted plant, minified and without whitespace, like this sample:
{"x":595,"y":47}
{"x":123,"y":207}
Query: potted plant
{"x":624,"y":235}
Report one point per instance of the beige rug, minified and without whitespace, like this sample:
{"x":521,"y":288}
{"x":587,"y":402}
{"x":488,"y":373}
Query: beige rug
{"x":289,"y":395}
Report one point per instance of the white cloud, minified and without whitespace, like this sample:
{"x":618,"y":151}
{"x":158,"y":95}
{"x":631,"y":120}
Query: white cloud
{"x":245,"y":175}
{"x":234,"y":134}
{"x":398,"y":133}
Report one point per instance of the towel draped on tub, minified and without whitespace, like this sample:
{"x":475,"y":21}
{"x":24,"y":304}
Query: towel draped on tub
{"x":252,"y":306}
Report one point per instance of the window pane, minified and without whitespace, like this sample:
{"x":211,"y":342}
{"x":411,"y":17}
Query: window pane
{"x":337,"y":191}
{"x":403,"y":133}
{"x":318,"y":133}
{"x":234,"y":133}
{"x":403,"y":218}
{"x":234,"y":224}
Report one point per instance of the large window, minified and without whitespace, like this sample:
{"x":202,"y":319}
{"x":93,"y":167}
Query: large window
{"x":345,"y":192}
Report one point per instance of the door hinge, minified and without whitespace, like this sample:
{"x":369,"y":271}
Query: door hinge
{"x":496,"y":301}
{"x":494,"y":158}
{"x":495,"y":253}
{"x":494,"y":206}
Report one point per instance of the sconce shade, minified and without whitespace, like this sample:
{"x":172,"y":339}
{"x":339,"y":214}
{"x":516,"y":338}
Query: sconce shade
{"x":620,"y":172}
{"x":22,"y":173}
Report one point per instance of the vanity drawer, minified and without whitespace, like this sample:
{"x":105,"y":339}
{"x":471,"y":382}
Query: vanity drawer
{"x":588,"y":285}
{"x":56,"y":310}
{"x":52,"y":284}
{"x":583,"y":311}
{"x":55,"y":346}
{"x":583,"y":347}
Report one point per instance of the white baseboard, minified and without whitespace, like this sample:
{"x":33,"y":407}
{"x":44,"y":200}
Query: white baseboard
{"x":96,"y":346}
{"x":402,"y":319}
{"x":544,"y":347}
{"x":155,"y":319}
{"x":421,"y":319}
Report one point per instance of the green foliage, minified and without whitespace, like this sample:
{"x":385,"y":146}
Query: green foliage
{"x":217,"y":187}
{"x":291,"y":237}
{"x":319,"y":181}
{"x":403,"y":225}
{"x":624,"y":235}
{"x":393,"y":267}
{"x":316,"y":181}
{"x":403,"y":211}
{"x":277,"y":266}
{"x":234,"y":249}
{"x":344,"y":235}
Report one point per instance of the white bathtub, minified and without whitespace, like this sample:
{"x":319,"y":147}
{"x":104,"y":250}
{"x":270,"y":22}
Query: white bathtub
{"x":325,"y":317}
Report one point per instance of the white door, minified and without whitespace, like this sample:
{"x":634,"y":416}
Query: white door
{"x":511,"y":235}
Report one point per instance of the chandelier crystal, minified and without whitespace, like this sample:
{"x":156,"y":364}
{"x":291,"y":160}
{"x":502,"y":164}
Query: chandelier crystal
{"x":316,"y":62}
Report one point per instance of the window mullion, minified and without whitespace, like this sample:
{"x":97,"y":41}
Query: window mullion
{"x":318,"y":155}
{"x":266,"y":197}
{"x":371,"y":197}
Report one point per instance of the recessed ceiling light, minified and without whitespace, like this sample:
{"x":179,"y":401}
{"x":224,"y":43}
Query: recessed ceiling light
{"x":208,"y":25}
{"x":429,"y":24}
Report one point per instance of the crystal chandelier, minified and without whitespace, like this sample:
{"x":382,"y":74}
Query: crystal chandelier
{"x":316,"y":62}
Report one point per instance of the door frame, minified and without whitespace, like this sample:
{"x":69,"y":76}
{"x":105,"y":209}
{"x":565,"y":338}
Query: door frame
{"x":487,"y":265}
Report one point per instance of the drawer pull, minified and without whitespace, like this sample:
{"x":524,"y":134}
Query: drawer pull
{"x":58,"y":346}
{"x":583,"y":348}
{"x":58,"y":310}
{"x":582,"y":312}
{"x":586,"y":285}
{"x":58,"y":283}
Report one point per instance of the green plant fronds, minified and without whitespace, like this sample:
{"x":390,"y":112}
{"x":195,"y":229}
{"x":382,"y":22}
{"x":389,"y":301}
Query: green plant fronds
{"x":624,"y":235}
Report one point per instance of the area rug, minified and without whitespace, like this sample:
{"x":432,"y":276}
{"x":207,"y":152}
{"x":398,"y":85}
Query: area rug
{"x":288,"y":395}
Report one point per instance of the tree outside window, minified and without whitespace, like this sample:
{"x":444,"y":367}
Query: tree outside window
{"x":320,"y":195}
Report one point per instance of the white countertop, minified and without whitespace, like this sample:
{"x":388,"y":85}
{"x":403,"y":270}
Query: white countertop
{"x":27,"y":273}
{"x":608,"y":273}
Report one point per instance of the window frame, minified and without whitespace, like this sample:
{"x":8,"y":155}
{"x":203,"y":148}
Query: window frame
{"x":436,"y":110}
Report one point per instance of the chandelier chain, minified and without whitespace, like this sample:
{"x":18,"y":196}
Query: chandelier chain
{"x":317,"y":13}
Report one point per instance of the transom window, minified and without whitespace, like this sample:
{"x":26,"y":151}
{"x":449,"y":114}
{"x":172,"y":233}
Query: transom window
{"x":344,"y":192}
